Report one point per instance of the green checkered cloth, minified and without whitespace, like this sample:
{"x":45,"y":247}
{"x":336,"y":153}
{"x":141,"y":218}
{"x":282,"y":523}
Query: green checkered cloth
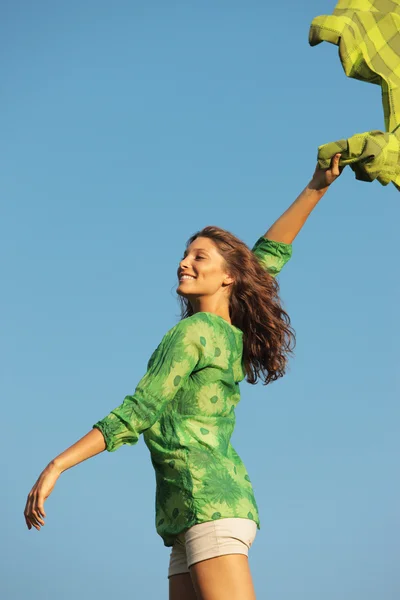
{"x":368,"y":35}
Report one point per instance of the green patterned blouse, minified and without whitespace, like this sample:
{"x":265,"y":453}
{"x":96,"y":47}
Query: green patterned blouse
{"x":185,"y":408}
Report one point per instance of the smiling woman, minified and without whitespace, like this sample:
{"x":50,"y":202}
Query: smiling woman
{"x":223,"y":271}
{"x":233,"y":326}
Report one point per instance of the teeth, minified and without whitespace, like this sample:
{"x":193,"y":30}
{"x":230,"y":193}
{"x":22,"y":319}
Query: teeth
{"x":187,"y":277}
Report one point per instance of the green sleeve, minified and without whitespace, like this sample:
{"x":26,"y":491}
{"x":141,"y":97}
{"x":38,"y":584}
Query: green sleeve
{"x":273,"y":256}
{"x":168,"y":369}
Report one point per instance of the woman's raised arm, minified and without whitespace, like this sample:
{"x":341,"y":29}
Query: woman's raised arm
{"x":286,"y":228}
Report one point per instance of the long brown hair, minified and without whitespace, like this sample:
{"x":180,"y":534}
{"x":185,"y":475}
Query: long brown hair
{"x":255,"y":308}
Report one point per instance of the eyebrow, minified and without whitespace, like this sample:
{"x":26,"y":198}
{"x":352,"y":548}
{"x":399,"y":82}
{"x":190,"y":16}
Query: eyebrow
{"x":197,"y":250}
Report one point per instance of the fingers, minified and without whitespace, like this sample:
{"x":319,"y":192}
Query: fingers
{"x":41,"y":508}
{"x":335,"y":165}
{"x":34,"y":511}
{"x":27,"y":512}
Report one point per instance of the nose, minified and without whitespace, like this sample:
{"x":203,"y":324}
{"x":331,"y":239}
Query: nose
{"x":183,"y":263}
{"x":181,"y":266}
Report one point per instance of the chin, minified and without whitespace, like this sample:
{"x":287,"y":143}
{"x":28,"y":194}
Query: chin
{"x":180,"y":292}
{"x":185,"y":294}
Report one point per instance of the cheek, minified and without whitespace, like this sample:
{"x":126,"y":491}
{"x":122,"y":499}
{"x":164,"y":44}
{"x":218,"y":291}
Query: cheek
{"x":211,"y":274}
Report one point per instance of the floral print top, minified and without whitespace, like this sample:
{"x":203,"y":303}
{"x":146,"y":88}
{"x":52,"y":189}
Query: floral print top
{"x":185,"y":408}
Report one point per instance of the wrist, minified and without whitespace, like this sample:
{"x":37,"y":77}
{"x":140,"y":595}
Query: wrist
{"x":55,"y":466}
{"x":317,"y":186}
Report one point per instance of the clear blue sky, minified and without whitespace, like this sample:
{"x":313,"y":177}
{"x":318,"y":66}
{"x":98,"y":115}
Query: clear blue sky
{"x":126,"y":127}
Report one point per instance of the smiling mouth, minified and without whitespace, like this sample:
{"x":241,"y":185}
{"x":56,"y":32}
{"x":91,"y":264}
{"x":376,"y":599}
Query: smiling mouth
{"x":186,"y":278}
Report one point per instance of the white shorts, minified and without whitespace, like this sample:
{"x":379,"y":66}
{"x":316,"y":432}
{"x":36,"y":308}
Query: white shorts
{"x":211,"y":539}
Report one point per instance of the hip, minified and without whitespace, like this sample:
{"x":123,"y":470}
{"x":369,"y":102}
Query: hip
{"x":209,"y":540}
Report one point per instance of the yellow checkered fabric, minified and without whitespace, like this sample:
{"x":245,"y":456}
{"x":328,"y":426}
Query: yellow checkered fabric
{"x":368,"y":35}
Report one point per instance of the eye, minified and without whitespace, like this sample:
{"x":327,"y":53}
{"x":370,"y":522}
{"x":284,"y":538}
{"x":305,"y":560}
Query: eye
{"x":198,"y":257}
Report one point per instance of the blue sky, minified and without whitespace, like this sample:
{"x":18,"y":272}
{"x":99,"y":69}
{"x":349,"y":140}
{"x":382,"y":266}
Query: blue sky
{"x":126,"y":127}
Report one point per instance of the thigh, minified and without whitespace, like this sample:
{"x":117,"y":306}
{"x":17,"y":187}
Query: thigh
{"x":181,"y":587}
{"x":180,"y":582}
{"x":225,"y":577}
{"x":218,"y":538}
{"x":178,"y":559}
{"x":217,"y":556}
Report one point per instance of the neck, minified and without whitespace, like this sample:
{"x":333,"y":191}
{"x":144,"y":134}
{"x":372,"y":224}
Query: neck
{"x":207,"y":305}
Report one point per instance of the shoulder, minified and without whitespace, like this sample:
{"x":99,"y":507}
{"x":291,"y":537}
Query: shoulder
{"x":200,"y":331}
{"x":193,"y":328}
{"x":186,"y":338}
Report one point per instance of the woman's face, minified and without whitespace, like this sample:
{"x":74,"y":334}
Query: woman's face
{"x":201,"y":270}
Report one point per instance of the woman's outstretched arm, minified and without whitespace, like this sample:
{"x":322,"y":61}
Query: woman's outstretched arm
{"x":91,"y":444}
{"x":286,"y":228}
{"x":169,"y":367}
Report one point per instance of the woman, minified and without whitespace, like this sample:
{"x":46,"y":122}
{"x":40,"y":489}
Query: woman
{"x":233,"y":326}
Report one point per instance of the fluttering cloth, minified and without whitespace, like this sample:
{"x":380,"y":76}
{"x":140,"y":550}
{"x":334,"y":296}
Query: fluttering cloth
{"x":368,"y":35}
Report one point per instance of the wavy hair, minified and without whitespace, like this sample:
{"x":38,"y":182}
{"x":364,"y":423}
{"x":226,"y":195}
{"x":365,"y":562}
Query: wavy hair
{"x":254,"y":306}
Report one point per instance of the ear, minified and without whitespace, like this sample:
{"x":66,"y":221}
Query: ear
{"x":228,"y":280}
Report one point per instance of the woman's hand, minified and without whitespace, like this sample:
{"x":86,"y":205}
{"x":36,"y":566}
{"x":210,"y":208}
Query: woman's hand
{"x":91,"y":444}
{"x":323,"y":178}
{"x":34,"y":509}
